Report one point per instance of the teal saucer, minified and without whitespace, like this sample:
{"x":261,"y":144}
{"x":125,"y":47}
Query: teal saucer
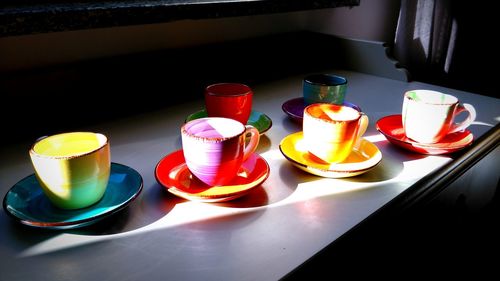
{"x":26,"y":203}
{"x":257,"y":119}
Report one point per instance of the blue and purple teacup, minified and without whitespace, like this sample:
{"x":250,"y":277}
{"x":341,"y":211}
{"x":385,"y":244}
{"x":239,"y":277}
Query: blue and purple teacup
{"x":324,"y":88}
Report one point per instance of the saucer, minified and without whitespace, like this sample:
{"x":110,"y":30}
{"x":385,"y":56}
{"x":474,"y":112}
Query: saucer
{"x":392,"y":128}
{"x":173,"y":174}
{"x":26,"y":203}
{"x":294,"y":108}
{"x":358,"y":162}
{"x":257,"y":119}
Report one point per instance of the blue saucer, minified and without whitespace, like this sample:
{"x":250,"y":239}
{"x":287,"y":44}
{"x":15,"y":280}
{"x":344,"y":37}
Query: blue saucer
{"x":26,"y":203}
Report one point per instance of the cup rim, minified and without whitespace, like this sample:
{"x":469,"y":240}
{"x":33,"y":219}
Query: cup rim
{"x":453,"y":98}
{"x":184,"y":131}
{"x":247,"y":91}
{"x":40,"y":155}
{"x":310,"y":79}
{"x":306,"y":113}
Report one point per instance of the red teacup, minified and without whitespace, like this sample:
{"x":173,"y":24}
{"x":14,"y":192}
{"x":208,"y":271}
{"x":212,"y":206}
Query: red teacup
{"x":229,"y":100}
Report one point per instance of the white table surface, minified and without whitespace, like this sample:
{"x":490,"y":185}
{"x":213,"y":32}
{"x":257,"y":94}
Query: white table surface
{"x":261,"y":236}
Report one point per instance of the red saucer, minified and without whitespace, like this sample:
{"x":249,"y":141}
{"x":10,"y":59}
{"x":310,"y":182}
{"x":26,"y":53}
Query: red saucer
{"x":392,"y":128}
{"x":173,"y":173}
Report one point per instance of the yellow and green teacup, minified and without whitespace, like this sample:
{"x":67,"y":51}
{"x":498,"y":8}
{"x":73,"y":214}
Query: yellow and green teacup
{"x":331,"y":131}
{"x":72,"y":168}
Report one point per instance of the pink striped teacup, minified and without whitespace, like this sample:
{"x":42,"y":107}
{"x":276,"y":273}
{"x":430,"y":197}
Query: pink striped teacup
{"x":215,"y":148}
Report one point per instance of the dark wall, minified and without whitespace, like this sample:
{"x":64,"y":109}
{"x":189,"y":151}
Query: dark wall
{"x":68,"y":97}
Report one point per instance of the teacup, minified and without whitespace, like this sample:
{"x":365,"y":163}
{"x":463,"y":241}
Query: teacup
{"x":215,"y":148}
{"x":229,"y":100}
{"x":428,"y":116}
{"x":324,"y":88}
{"x":332,"y":131}
{"x":72,"y":168}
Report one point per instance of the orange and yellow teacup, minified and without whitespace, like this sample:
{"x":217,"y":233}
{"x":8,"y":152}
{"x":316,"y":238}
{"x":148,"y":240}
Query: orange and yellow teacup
{"x":72,"y":168}
{"x":331,"y":131}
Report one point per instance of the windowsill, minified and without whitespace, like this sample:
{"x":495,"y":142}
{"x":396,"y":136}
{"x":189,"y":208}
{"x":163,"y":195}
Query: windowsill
{"x":30,"y":17}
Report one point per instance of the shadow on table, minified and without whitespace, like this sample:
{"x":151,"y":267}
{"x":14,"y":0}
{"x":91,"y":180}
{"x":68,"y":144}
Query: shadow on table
{"x":255,"y":198}
{"x":268,"y":193}
{"x":154,"y":204}
{"x":391,"y":165}
{"x":290,"y":125}
{"x":264,"y":144}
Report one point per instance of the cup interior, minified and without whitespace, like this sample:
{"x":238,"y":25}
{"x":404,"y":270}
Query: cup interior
{"x":69,"y":144}
{"x":325,"y":80}
{"x":213,"y":128}
{"x":228,"y":89}
{"x":430,"y":97}
{"x":332,"y":112}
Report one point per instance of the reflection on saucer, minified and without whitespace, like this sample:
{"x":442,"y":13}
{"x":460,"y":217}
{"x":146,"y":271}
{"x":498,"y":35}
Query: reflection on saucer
{"x":27,"y":204}
{"x":392,"y":128}
{"x":358,"y":162}
{"x":173,"y":174}
{"x":294,"y":108}
{"x":257,"y":119}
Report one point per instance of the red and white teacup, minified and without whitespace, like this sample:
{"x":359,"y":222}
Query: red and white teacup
{"x":215,"y":148}
{"x":428,"y":116}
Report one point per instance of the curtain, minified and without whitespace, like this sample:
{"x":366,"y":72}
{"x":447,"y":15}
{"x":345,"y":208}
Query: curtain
{"x":449,"y":43}
{"x":425,"y":36}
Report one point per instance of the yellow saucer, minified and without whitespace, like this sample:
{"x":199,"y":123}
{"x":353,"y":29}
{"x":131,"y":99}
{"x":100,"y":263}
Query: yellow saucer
{"x":361,"y":160}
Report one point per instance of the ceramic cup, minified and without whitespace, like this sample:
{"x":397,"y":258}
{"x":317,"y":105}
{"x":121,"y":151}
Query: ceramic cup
{"x":332,"y":131}
{"x":72,"y":168}
{"x":428,"y":116}
{"x":229,"y":100}
{"x":215,"y":148}
{"x":324,"y":88}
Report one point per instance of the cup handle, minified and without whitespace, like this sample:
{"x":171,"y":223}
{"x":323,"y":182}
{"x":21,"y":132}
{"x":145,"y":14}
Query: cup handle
{"x":466,"y":123}
{"x":363,"y":125}
{"x":252,"y":144}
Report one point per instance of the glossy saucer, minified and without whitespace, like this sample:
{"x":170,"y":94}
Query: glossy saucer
{"x":294,"y":108}
{"x":173,"y":174}
{"x":257,"y":119}
{"x":360,"y":160}
{"x":392,"y":128}
{"x":26,"y":203}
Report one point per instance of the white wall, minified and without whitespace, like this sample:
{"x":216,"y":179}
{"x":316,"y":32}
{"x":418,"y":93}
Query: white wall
{"x":372,"y":20}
